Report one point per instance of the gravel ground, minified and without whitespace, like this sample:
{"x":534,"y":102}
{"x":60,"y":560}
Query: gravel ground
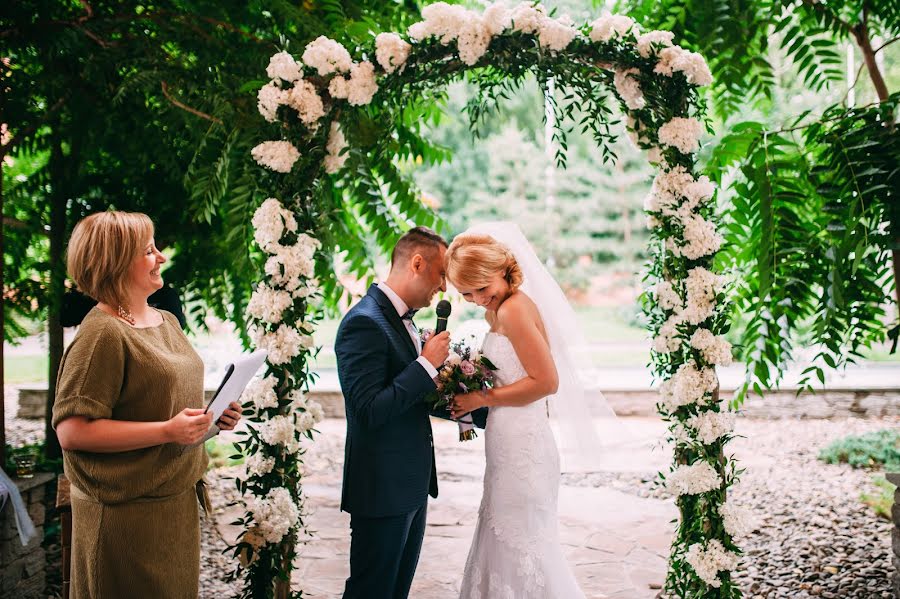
{"x":815,"y":537}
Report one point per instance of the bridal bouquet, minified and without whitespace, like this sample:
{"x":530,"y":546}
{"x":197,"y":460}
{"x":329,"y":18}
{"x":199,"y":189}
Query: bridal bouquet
{"x":465,"y":370}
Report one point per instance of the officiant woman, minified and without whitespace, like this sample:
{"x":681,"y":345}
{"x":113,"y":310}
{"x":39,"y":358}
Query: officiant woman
{"x":128,"y":409}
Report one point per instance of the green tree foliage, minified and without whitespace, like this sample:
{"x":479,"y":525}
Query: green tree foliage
{"x":813,"y":222}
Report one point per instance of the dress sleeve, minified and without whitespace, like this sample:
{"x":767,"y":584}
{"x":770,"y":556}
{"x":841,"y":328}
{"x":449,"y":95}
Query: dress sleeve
{"x":91,"y":374}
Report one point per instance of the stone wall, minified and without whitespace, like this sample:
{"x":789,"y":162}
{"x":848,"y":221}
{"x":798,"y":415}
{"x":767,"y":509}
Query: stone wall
{"x":894,"y":479}
{"x":23,"y":568}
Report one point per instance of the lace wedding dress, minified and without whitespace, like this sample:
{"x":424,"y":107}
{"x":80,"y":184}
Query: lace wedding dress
{"x":516,"y":553}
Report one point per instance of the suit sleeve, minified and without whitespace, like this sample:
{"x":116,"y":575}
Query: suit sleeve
{"x":362,"y":352}
{"x":479,"y":416}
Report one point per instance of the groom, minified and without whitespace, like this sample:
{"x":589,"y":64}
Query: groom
{"x":385,"y":373}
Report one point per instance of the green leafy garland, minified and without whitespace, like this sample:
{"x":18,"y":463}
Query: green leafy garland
{"x":337,"y":129}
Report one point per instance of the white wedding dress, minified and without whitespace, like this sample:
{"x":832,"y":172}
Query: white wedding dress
{"x":516,"y":553}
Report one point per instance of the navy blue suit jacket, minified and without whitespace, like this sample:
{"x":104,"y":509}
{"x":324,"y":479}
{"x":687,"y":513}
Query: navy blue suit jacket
{"x":389,"y":455}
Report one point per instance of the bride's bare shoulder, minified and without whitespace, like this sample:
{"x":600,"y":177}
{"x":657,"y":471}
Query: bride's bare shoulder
{"x":517,"y":308}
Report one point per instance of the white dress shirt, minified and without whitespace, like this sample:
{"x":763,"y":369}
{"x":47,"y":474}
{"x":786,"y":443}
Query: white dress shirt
{"x":402,"y":309}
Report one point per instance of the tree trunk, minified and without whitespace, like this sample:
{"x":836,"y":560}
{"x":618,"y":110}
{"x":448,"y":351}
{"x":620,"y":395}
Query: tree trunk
{"x":3,"y":334}
{"x":56,"y":289}
{"x":861,"y":33}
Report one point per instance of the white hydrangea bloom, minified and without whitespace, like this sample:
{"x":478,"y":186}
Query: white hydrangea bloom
{"x":629,"y":88}
{"x":283,"y":66}
{"x":441,"y":20}
{"x":269,"y":223}
{"x":701,"y":237}
{"x":667,"y":297}
{"x":701,"y":288}
{"x":261,"y":391}
{"x":497,"y":18}
{"x":647,"y":41}
{"x":708,"y":561}
{"x":693,"y":479}
{"x":687,"y":386}
{"x":304,"y":98}
{"x":715,"y":349}
{"x":667,"y":340}
{"x":303,"y":422}
{"x":258,"y":465}
{"x":278,"y":156}
{"x":738,"y":521}
{"x":315,"y":409}
{"x":289,"y":265}
{"x":359,"y":89}
{"x":278,"y":431}
{"x":269,"y":304}
{"x":472,"y":40}
{"x":556,"y":34}
{"x":711,"y":426}
{"x":391,"y":51}
{"x":282,"y":344}
{"x":334,"y":159}
{"x":676,"y":58}
{"x":608,"y":26}
{"x":680,"y":434}
{"x":268,"y":99}
{"x":681,"y":133}
{"x":327,"y":56}
{"x":527,"y":17}
{"x":275,"y":514}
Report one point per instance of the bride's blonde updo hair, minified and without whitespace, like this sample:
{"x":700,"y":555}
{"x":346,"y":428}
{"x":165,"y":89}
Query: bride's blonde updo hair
{"x":473,"y":260}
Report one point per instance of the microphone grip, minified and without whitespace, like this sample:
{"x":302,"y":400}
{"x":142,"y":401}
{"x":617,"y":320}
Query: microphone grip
{"x":441,"y":325}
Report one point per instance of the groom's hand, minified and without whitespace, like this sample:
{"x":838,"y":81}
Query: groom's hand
{"x":437,"y":349}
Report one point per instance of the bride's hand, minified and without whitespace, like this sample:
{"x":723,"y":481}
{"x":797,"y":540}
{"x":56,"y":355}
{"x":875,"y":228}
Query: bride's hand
{"x":463,"y":404}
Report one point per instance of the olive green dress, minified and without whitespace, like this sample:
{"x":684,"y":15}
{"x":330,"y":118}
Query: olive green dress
{"x":135,"y":517}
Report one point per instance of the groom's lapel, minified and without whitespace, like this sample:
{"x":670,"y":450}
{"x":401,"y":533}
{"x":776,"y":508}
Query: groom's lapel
{"x":391,"y":314}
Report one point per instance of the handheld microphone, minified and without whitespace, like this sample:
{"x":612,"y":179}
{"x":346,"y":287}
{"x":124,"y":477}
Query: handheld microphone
{"x":443,"y":313}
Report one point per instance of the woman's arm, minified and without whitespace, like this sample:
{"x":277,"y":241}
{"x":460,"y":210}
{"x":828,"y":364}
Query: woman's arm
{"x":104,"y":435}
{"x":519,"y":320}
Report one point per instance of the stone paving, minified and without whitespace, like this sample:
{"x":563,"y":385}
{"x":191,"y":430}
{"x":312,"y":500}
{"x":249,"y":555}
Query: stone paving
{"x":617,"y":543}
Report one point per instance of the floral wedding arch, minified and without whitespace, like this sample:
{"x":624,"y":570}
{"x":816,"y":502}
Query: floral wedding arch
{"x":320,"y":108}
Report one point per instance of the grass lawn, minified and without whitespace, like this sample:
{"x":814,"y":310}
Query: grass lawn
{"x":18,"y":370}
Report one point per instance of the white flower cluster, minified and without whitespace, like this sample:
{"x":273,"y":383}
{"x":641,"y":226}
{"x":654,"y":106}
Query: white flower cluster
{"x":650,"y":42}
{"x":708,"y":561}
{"x":258,"y":465}
{"x":700,"y":237}
{"x":268,"y":304}
{"x":715,"y":349}
{"x":629,"y":88}
{"x":359,"y":88}
{"x":473,"y":32}
{"x":687,"y":386}
{"x":334,"y":160}
{"x":676,"y":58}
{"x":681,"y":133}
{"x":261,"y":392}
{"x":327,"y":56}
{"x":667,"y":297}
{"x":278,"y":156}
{"x":609,"y":26}
{"x":304,"y":98}
{"x":283,"y":343}
{"x":279,"y":431}
{"x":275,"y":514}
{"x":288,"y":266}
{"x":268,"y":99}
{"x":711,"y":426}
{"x":270,"y":221}
{"x":693,"y":479}
{"x":391,"y":51}
{"x":307,"y":413}
{"x":668,"y":340}
{"x":701,"y":287}
{"x":738,"y":521}
{"x":283,"y":66}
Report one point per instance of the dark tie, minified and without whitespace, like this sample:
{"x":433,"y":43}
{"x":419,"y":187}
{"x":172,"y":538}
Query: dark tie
{"x":409,"y":315}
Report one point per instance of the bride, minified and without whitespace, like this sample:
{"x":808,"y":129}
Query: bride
{"x":516,"y":552}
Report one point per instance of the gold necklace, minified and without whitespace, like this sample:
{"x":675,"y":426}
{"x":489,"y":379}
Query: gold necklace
{"x":125,"y":315}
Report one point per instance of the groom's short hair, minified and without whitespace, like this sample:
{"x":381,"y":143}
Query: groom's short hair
{"x":420,"y":239}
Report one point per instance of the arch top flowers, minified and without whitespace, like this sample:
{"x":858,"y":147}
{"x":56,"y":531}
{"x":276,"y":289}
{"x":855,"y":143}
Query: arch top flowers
{"x":336,"y":117}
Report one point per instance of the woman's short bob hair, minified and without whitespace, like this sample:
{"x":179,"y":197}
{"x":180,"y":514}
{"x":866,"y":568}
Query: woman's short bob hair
{"x":101,"y":250}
